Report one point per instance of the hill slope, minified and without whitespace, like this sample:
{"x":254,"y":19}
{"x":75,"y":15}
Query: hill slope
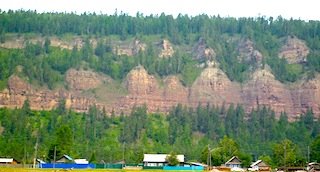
{"x":224,"y":62}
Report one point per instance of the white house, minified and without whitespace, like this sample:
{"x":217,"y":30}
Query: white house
{"x":158,"y":160}
{"x":234,"y":163}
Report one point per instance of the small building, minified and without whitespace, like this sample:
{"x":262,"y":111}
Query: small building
{"x":81,"y":161}
{"x":64,"y":159}
{"x":234,"y":163}
{"x":11,"y":161}
{"x":159,"y":160}
{"x":259,"y":166}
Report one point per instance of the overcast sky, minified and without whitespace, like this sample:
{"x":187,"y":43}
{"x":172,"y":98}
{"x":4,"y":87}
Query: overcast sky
{"x":303,"y":9}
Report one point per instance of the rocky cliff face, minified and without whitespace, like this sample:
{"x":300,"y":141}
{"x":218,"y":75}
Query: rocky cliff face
{"x":248,"y":53}
{"x":83,"y":80}
{"x":202,"y":52}
{"x":130,"y":50}
{"x":166,"y":49}
{"x":264,"y":90}
{"x":20,"y":42}
{"x":294,"y":50}
{"x":306,"y":94}
{"x":86,"y":88}
{"x":214,"y":87}
{"x":41,"y":99}
{"x":145,"y":89}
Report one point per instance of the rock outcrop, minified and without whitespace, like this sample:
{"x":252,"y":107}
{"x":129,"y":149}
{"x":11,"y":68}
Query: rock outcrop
{"x":306,"y":94}
{"x":41,"y":99}
{"x":214,"y":87}
{"x":247,"y":52}
{"x":86,"y":88}
{"x":202,"y":52}
{"x":81,"y":80}
{"x":264,"y":90}
{"x":166,"y":49}
{"x":130,"y":50}
{"x":144,"y":89}
{"x":294,"y":50}
{"x":20,"y":42}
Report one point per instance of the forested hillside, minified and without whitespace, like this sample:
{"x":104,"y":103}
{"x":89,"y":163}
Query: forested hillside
{"x":156,"y":84}
{"x":96,"y":136}
{"x":183,"y":30}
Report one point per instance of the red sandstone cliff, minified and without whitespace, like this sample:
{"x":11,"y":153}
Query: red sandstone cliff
{"x":86,"y":88}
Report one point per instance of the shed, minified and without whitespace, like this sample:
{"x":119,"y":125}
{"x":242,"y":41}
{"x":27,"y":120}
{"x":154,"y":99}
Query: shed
{"x":158,"y":160}
{"x":259,"y":166}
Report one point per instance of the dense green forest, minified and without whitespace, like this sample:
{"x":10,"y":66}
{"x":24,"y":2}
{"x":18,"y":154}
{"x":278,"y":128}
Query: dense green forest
{"x":47,"y":65}
{"x":96,"y":136}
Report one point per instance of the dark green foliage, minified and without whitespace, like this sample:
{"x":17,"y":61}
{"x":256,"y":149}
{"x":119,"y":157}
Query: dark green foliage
{"x":284,"y":71}
{"x":63,"y":143}
{"x":286,"y":153}
{"x":47,"y":65}
{"x":315,"y":149}
{"x":172,"y":159}
{"x":185,"y":131}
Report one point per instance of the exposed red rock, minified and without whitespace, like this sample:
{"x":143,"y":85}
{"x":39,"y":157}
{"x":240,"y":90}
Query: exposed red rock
{"x":264,"y":90}
{"x":214,"y":87}
{"x":294,"y":50}
{"x":306,"y":94}
{"x":41,"y":99}
{"x":80,"y":80}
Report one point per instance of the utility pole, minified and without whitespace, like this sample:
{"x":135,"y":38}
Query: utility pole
{"x":35,"y":153}
{"x":209,"y":158}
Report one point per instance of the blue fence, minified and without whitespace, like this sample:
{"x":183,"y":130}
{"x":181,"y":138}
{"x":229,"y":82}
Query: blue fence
{"x":183,"y":168}
{"x":66,"y":166}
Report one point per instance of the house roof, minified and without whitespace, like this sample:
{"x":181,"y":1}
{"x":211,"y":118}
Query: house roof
{"x":197,"y":164}
{"x":314,"y":163}
{"x":41,"y":161}
{"x":81,"y":161}
{"x":160,"y":158}
{"x":259,"y":163}
{"x":6,"y":160}
{"x":67,"y":157}
{"x":234,"y":160}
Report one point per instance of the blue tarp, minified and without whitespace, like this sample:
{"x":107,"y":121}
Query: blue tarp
{"x":183,"y":168}
{"x":66,"y":166}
